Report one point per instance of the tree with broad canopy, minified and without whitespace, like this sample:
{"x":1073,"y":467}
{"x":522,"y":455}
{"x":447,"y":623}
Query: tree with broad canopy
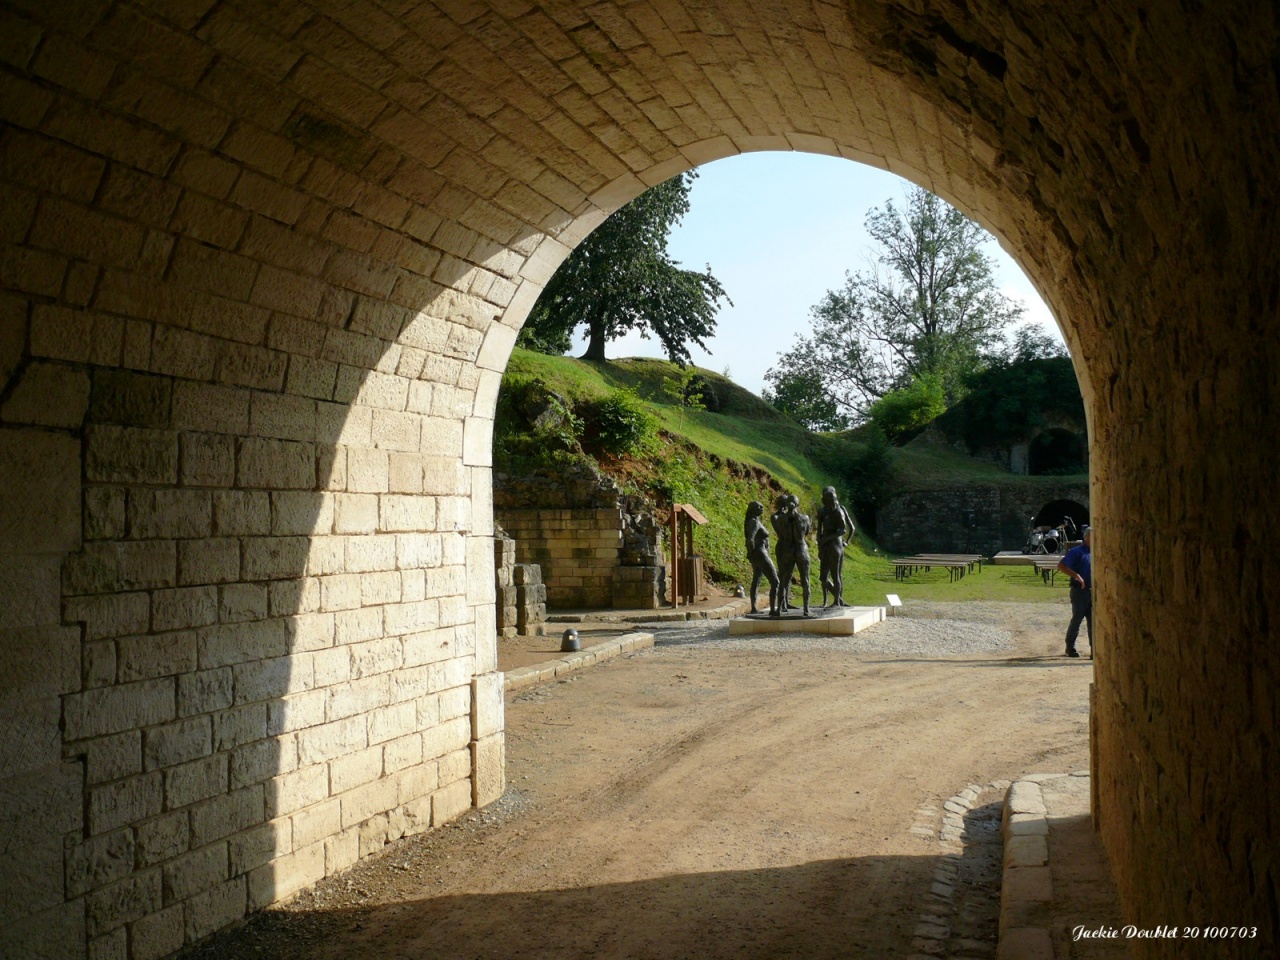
{"x":926,"y":309}
{"x":621,"y":278}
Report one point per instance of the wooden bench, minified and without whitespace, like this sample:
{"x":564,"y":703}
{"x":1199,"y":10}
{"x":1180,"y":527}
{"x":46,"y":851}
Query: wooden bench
{"x":1048,"y":569}
{"x":908,"y":565}
{"x":972,"y":559}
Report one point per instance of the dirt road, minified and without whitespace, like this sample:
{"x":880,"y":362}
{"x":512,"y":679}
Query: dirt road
{"x":716,"y":798}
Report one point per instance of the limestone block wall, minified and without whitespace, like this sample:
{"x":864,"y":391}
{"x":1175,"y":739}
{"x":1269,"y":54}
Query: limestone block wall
{"x":41,"y":792}
{"x":639,"y":587}
{"x":261,"y":266}
{"x":578,"y":551}
{"x":273,"y":649}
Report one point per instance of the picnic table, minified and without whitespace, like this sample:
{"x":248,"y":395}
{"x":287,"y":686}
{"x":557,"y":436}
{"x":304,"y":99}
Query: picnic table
{"x":1048,"y":568}
{"x":972,"y":559}
{"x":955,"y":565}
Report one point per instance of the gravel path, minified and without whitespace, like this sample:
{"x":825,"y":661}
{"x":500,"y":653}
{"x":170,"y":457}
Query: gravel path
{"x":900,"y":636}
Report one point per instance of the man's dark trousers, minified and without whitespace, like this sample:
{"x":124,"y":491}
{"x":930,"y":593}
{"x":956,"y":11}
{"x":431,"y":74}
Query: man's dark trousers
{"x":1081,"y":609}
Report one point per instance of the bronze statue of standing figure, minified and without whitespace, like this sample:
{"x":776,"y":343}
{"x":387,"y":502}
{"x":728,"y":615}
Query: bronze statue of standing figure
{"x":792,"y":528}
{"x":757,"y":538}
{"x":835,"y":530}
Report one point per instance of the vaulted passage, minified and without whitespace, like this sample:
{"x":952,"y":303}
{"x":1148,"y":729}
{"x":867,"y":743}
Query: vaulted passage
{"x":263,"y":264}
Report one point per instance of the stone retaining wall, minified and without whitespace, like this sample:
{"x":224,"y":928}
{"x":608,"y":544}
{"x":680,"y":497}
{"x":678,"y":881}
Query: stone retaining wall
{"x":938,"y":520}
{"x":578,"y":551}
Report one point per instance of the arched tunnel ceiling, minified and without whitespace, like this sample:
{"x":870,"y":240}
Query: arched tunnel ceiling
{"x":474,"y":128}
{"x":322,"y":201}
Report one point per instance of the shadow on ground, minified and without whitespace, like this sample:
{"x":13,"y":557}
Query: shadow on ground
{"x":862,"y":907}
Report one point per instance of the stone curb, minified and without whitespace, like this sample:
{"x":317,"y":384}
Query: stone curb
{"x":522,"y":677}
{"x":1026,"y":888}
{"x":733,"y":607}
{"x":727,"y":611}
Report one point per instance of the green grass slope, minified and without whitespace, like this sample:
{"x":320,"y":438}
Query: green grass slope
{"x":720,"y":461}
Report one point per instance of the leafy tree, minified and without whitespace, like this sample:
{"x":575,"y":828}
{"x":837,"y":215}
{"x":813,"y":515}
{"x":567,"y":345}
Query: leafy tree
{"x":803,"y":396}
{"x":621,"y":278}
{"x":904,"y":411}
{"x":927,"y":306}
{"x":1032,"y":343}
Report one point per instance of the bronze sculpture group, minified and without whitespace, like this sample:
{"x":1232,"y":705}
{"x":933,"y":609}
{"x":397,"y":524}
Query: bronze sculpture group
{"x":835,"y":530}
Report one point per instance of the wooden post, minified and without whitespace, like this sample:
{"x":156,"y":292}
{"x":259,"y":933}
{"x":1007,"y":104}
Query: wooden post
{"x":675,"y":555}
{"x":690,"y":515}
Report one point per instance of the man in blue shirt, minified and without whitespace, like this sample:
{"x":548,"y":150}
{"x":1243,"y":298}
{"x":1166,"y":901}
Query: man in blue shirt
{"x":1078,"y":565}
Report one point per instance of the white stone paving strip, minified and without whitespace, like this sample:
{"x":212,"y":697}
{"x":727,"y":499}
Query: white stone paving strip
{"x":1026,"y":888}
{"x":901,"y":636}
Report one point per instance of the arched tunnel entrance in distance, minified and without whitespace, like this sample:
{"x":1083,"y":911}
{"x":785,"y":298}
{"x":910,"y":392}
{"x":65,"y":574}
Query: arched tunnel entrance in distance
{"x":1070,"y":514}
{"x":209,"y":212}
{"x":1057,"y":451}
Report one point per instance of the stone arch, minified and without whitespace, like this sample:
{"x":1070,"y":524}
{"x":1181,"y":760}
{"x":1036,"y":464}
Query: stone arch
{"x":1057,"y":450}
{"x":227,"y":225}
{"x":1053,"y":512}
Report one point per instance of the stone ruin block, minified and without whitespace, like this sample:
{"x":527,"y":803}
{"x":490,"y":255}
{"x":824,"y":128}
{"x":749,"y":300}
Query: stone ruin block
{"x":520,"y":595}
{"x":504,"y":550}
{"x":638,"y":588}
{"x":508,"y":621}
{"x":504,"y":561}
{"x":527,"y":616}
{"x":531,"y":595}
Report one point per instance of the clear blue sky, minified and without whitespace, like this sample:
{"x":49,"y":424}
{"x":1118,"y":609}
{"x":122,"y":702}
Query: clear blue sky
{"x":779,"y":230}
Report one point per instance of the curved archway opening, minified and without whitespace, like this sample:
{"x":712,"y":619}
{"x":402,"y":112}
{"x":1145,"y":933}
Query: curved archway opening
{"x":780,"y":229}
{"x":1069,"y":516}
{"x":228,"y":203}
{"x":1057,"y":452}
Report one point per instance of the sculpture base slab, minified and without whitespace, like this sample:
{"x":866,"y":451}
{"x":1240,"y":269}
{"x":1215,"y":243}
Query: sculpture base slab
{"x":838,"y":621}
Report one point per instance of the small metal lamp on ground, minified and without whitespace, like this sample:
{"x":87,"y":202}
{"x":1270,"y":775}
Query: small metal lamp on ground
{"x":569,"y":643}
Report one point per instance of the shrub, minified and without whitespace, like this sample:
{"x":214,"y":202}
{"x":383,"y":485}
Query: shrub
{"x":532,"y":422}
{"x":900,"y":412}
{"x":620,"y":424}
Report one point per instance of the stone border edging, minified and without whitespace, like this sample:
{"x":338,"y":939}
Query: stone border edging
{"x":1026,"y":885}
{"x":726,"y":611}
{"x":522,"y":677}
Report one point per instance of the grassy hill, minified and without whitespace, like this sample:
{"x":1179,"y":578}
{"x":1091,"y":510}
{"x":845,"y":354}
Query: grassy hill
{"x":719,"y":460}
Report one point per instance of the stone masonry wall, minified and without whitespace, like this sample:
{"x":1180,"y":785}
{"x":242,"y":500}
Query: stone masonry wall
{"x":261,"y":268}
{"x":578,"y":551}
{"x":268,"y":650}
{"x":937,"y":521}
